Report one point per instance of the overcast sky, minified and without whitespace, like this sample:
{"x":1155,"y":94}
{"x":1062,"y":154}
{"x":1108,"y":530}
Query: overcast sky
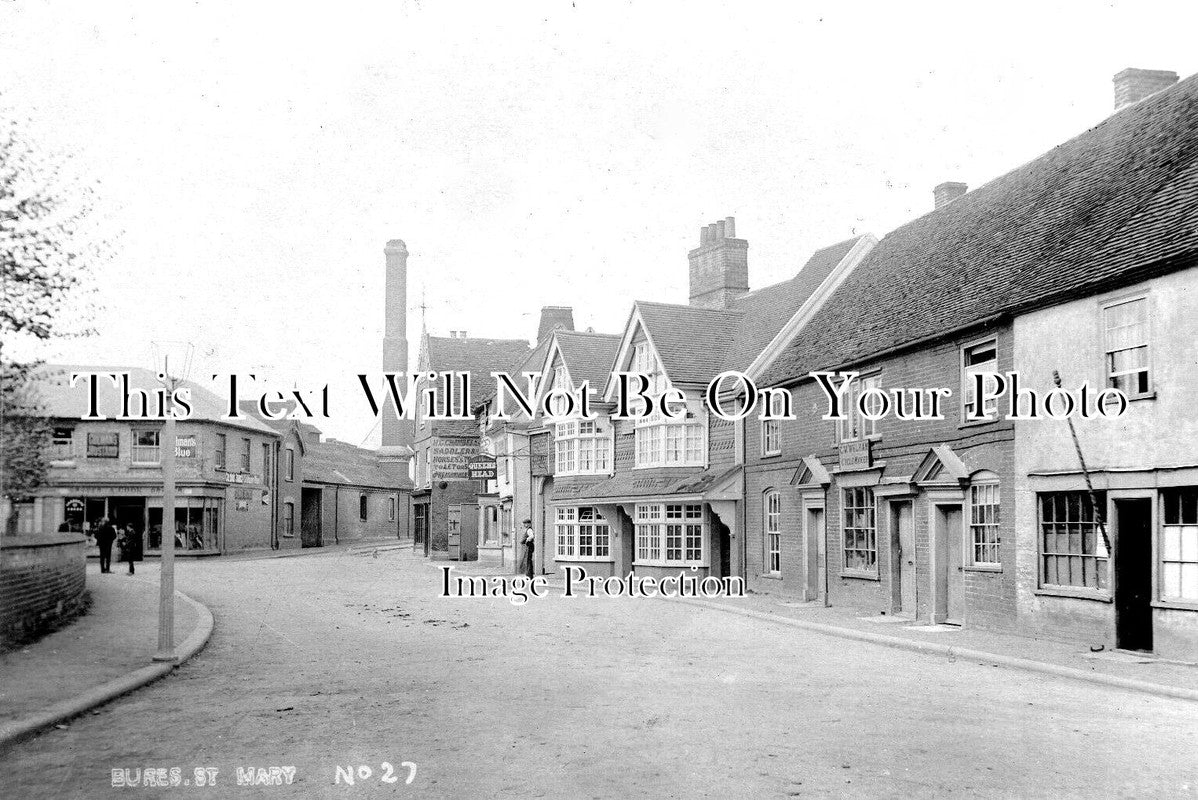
{"x":258,"y":156}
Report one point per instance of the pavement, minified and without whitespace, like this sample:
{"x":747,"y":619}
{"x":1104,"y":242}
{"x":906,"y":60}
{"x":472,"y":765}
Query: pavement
{"x":104,"y":654}
{"x":1141,"y":672}
{"x":353,"y":665}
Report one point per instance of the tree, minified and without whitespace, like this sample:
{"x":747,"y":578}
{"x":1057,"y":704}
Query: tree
{"x":46,"y":247}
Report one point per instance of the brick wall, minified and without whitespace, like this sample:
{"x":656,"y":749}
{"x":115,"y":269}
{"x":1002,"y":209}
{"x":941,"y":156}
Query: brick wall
{"x":42,"y":580}
{"x":902,"y":446}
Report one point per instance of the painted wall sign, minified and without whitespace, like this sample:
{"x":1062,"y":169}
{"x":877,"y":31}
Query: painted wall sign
{"x":450,"y":458}
{"x":185,"y":447}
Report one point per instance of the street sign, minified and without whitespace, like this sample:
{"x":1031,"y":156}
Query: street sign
{"x":482,"y":468}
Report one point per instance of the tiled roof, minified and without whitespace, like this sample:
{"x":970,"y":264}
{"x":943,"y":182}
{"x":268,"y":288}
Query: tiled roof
{"x":662,"y":482}
{"x":60,"y":400}
{"x":691,"y":341}
{"x":695,"y":344}
{"x":1093,"y":212}
{"x":337,"y":462}
{"x":479,"y":357}
{"x":588,"y":356}
{"x":767,"y":310}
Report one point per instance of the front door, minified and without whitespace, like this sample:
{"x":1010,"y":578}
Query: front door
{"x":950,"y":569}
{"x":1133,"y":574}
{"x":815,"y":532}
{"x":903,"y":547}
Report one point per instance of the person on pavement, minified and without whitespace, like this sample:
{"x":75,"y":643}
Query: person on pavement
{"x":104,"y":538}
{"x":529,"y":548}
{"x":130,"y":542}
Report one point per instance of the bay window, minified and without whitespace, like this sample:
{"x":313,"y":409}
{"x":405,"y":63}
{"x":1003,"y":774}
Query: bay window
{"x":582,"y":533}
{"x":669,"y":534}
{"x":662,"y":442}
{"x":581,"y":446}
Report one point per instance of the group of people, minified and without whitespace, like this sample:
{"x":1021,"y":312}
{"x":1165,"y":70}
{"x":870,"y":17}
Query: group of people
{"x":124,"y":536}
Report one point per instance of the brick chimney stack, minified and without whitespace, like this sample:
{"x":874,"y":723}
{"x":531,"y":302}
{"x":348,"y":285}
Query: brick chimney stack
{"x":396,"y":434}
{"x":948,"y":191}
{"x":1133,"y":85}
{"x":552,"y":318}
{"x":719,"y":266}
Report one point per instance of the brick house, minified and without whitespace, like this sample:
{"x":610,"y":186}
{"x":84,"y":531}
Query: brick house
{"x":575,"y":453}
{"x":672,"y":500}
{"x":509,"y":498}
{"x":331,"y":492}
{"x":444,"y":499}
{"x":113,"y":468}
{"x":956,"y":521}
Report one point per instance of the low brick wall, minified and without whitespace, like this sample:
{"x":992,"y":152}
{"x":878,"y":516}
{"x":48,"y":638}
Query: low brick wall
{"x":42,"y":580}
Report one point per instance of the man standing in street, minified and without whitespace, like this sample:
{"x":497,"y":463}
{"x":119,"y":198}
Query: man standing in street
{"x":104,"y":538}
{"x":529,"y":547}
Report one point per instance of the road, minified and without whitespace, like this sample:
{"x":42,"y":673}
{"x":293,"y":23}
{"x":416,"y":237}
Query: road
{"x":351,"y":660}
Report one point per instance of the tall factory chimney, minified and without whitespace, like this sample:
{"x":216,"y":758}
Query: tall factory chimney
{"x":397,"y":434}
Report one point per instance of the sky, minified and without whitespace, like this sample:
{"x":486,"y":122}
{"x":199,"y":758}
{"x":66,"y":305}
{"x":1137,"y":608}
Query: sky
{"x":252,"y":159}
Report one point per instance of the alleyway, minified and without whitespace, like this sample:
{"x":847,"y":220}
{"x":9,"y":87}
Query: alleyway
{"x":352,"y":660}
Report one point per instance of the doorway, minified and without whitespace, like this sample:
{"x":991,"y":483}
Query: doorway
{"x":723,"y":543}
{"x":1133,"y":574}
{"x":310,"y":506}
{"x":950,"y":570}
{"x":814,"y":533}
{"x":902,"y":548}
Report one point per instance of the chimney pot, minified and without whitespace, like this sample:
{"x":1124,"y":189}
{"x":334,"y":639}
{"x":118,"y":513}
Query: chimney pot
{"x":948,"y":191}
{"x":719,"y":267}
{"x":1133,"y":85}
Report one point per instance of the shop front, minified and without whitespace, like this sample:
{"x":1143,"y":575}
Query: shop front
{"x":198,"y":524}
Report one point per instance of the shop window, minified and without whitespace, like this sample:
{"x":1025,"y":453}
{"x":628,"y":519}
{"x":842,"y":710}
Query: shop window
{"x":977,"y":358}
{"x":670,"y":534}
{"x":222,"y":444}
{"x":1072,"y":551}
{"x":196,"y":527}
{"x":103,"y":445}
{"x":773,"y":532}
{"x":1125,"y":333}
{"x":1179,"y":546}
{"x":983,"y":524}
{"x":860,"y":530}
{"x":146,"y":448}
